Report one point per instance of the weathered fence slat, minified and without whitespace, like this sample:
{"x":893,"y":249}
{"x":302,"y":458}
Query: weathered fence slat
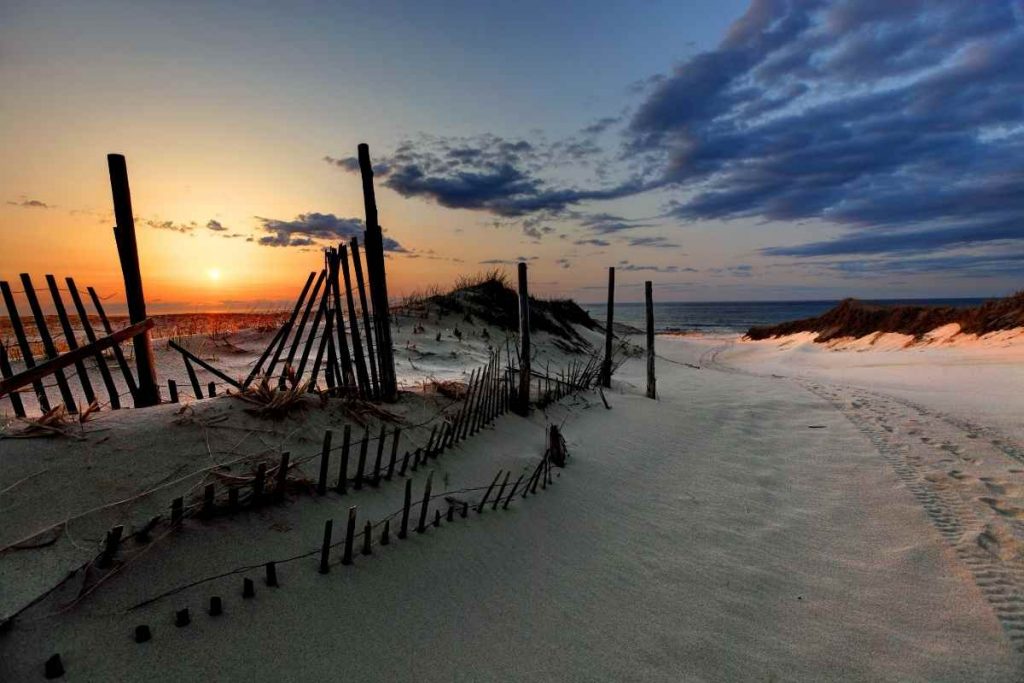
{"x":48,"y":367}
{"x":365,"y":309}
{"x":192,"y":377}
{"x":362,"y":378}
{"x":286,"y":331}
{"x":6,"y":372}
{"x":69,"y":338}
{"x":26,"y":349}
{"x":90,"y":336}
{"x":122,"y":362}
{"x":297,"y":337}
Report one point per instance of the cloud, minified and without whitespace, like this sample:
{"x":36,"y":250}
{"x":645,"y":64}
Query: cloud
{"x":315,"y":228}
{"x":31,"y":204}
{"x":900,"y":121}
{"x":632,"y":267}
{"x":563,"y":263}
{"x":489,"y":173}
{"x":659,"y":242}
{"x":158,"y":224}
{"x":606,"y":223}
{"x":506,"y":262}
{"x":216,"y":226}
{"x":593,"y":242}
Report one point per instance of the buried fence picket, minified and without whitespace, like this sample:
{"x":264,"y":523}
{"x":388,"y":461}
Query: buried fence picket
{"x":325,"y":457}
{"x":346,"y":443}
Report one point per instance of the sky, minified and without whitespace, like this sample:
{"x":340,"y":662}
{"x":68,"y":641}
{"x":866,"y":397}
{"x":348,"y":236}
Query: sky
{"x":725,"y":149}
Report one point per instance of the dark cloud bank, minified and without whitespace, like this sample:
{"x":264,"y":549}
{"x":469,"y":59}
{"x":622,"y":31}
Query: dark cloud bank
{"x":899,"y":123}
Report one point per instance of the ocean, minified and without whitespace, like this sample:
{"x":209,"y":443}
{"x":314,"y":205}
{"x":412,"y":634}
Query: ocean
{"x":731,"y":317}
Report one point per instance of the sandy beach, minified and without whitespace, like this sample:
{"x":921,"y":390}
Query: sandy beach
{"x":765,"y":519}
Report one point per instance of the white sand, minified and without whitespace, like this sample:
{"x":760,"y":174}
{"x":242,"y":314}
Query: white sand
{"x":709,"y":535}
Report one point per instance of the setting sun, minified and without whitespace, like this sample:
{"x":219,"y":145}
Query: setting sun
{"x":213,"y":274}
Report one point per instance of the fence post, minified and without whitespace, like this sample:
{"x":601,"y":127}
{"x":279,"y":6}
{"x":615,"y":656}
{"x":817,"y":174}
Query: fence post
{"x":652,"y":391}
{"x":606,"y":371}
{"x":523,"y":401}
{"x":378,"y":280}
{"x":128,"y":253}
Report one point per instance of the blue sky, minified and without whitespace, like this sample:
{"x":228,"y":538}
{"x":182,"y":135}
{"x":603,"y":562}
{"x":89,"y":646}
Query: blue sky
{"x":727,"y":150}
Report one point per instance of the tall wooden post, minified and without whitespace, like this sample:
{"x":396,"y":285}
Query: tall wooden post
{"x":378,"y":281}
{"x":649,"y":298}
{"x":523,"y":401}
{"x":606,"y":370}
{"x":148,"y":393}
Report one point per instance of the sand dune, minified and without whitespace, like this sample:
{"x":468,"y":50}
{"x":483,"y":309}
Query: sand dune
{"x":742,"y":527}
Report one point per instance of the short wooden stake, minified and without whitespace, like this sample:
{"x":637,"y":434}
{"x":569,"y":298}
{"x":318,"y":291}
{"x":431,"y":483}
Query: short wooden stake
{"x":501,"y":491}
{"x":405,"y":464}
{"x":143,"y":634}
{"x":208,"y":496}
{"x":248,"y":589}
{"x":361,"y":465}
{"x":110,"y":545}
{"x":422,"y":526}
{"x":271,"y":575}
{"x":282,"y":476}
{"x":465,"y":510}
{"x":182,"y":618}
{"x":403,"y":530}
{"x":258,"y":483}
{"x":325,"y":459}
{"x":325,"y":548}
{"x":54,"y":668}
{"x":487,"y":493}
{"x":394,"y":453}
{"x":350,"y":534}
{"x":385,"y":536}
{"x":172,"y":389}
{"x":211,"y":389}
{"x":216,"y":606}
{"x":437,"y":518}
{"x":367,"y":540}
{"x":346,"y":439}
{"x":512,"y":493}
{"x":380,"y":457}
{"x":450,"y":515}
{"x":177,"y":511}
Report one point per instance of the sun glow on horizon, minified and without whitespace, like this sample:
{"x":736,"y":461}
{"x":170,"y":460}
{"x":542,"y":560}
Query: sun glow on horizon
{"x":214,"y":274}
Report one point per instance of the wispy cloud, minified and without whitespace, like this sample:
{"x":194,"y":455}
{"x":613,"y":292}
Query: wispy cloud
{"x":31,"y":204}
